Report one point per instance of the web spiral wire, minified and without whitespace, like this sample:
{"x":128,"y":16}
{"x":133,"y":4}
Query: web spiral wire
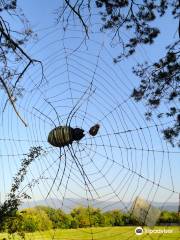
{"x":126,"y":159}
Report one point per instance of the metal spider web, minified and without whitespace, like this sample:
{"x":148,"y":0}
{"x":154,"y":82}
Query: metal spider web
{"x":126,"y":162}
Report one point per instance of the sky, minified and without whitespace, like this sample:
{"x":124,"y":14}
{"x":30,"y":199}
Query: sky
{"x":119,"y":164}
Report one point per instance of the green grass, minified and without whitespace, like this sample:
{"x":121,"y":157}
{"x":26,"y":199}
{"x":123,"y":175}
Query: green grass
{"x":105,"y":233}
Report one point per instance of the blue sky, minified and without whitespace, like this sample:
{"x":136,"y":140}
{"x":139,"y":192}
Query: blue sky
{"x":119,"y":165}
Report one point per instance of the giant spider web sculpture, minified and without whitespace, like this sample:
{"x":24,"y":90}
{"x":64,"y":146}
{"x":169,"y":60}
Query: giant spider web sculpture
{"x":126,"y":159}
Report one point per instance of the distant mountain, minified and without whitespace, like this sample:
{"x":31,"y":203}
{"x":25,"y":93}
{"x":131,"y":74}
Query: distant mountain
{"x":170,"y":206}
{"x":69,"y":203}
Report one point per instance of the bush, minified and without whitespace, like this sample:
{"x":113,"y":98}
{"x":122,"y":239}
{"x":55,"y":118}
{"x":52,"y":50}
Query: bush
{"x":35,"y":220}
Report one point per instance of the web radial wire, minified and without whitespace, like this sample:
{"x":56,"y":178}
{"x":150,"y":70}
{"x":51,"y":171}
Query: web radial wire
{"x":124,"y":164}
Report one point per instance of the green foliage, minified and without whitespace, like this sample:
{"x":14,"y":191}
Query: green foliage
{"x":81,"y":217}
{"x":8,"y":210}
{"x":114,"y":218}
{"x":135,"y":17}
{"x":14,"y":224}
{"x":162,"y":86}
{"x":160,"y":81}
{"x":13,"y":39}
{"x":42,"y":218}
{"x":86,"y":217}
{"x":169,"y":217}
{"x":34,"y":219}
{"x":8,"y":5}
{"x":97,"y":217}
{"x":58,"y":218}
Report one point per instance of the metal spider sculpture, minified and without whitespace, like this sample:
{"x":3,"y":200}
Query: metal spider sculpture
{"x":63,"y":137}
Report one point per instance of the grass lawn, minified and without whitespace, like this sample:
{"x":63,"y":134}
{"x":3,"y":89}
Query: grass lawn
{"x":105,"y":233}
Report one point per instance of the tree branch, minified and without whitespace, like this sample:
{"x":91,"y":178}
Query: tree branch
{"x":79,"y":15}
{"x":12,"y":102}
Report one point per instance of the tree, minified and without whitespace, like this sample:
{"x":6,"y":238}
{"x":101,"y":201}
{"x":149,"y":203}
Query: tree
{"x":86,"y":217}
{"x":15,"y":61}
{"x":161,"y":86}
{"x":157,"y":88}
{"x":96,"y":216}
{"x":58,"y":218}
{"x":167,"y":217}
{"x":34,"y":219}
{"x":114,"y":218}
{"x":129,"y":219}
{"x":9,"y":209}
{"x":14,"y":225}
{"x":81,"y":217}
